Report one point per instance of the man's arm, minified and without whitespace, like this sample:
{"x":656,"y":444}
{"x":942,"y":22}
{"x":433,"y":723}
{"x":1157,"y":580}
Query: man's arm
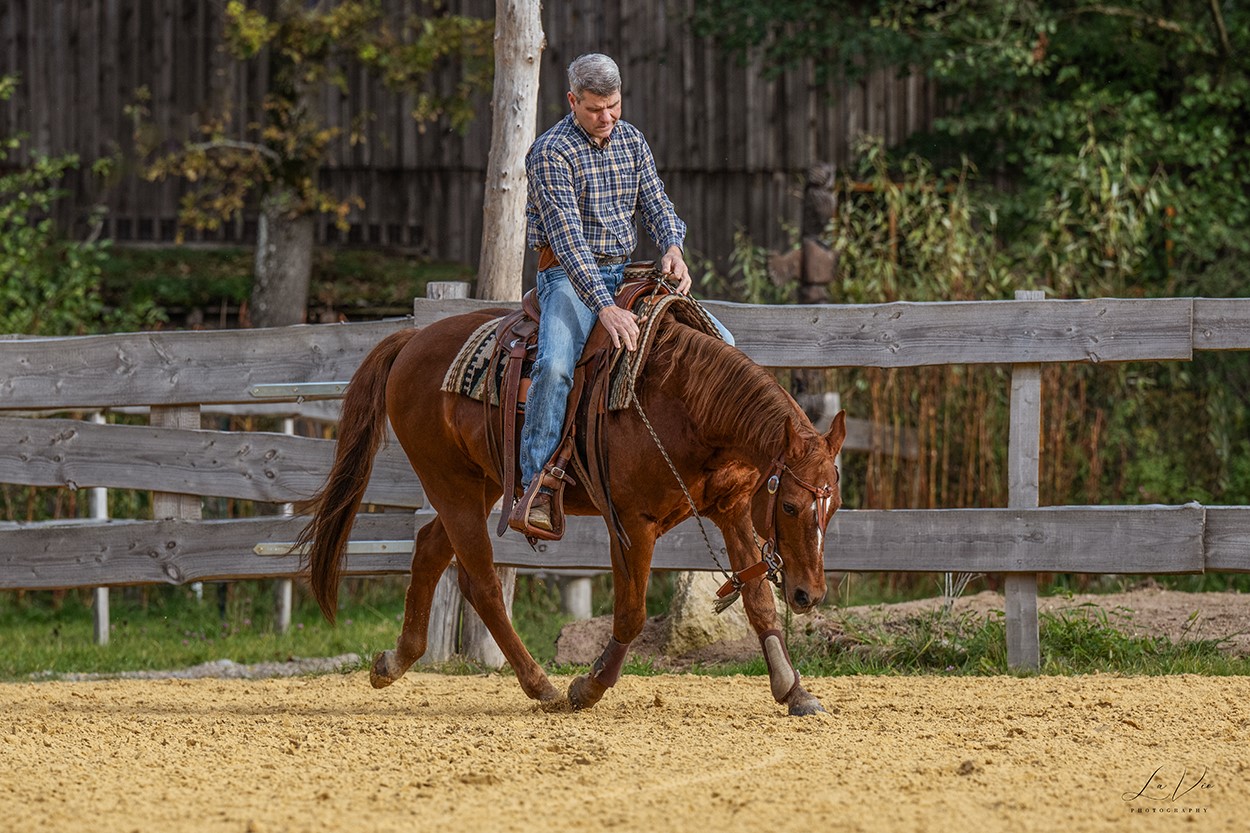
{"x":551,"y":190}
{"x":665,"y":228}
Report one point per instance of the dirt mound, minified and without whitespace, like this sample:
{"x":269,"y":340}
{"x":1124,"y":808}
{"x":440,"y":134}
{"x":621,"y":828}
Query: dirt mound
{"x":1148,"y":611}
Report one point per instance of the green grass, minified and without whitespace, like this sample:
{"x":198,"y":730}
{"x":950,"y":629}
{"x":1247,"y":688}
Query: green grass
{"x":1083,"y":641}
{"x":164,"y":628}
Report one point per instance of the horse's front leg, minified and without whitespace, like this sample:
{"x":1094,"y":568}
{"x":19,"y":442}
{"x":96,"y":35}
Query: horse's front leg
{"x":783,"y":678}
{"x":761,"y":608}
{"x":630,"y":571}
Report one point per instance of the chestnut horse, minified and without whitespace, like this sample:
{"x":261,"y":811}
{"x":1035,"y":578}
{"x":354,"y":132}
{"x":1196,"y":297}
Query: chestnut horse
{"x":749,"y":457}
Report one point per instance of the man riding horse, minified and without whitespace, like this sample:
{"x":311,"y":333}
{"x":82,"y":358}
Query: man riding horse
{"x":711,"y":434}
{"x":589,"y":176}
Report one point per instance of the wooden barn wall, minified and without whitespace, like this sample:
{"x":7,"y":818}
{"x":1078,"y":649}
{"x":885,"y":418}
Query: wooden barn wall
{"x":732,"y":147}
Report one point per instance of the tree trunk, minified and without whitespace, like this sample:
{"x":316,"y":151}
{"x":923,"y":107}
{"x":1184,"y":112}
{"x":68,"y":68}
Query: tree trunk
{"x":284,"y":246}
{"x":519,"y":44}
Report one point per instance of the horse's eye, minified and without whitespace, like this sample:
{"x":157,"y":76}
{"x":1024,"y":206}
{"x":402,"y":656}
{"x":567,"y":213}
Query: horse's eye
{"x":789,"y":509}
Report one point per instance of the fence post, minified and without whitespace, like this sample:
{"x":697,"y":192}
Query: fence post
{"x":575,"y":596}
{"x":285,"y":588}
{"x":100,"y":512}
{"x":166,"y":505}
{"x":1023,"y":459}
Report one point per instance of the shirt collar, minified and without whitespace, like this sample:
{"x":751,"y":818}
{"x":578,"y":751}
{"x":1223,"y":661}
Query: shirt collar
{"x":590,"y":140}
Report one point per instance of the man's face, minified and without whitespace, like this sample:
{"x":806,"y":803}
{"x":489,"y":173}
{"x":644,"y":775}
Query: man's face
{"x":596,"y":114}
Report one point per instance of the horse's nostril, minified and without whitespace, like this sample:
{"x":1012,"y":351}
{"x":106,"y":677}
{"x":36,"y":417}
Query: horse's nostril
{"x":801,"y":599}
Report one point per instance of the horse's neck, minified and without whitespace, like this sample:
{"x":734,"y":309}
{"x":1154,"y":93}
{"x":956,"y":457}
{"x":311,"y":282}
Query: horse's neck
{"x":735,"y":404}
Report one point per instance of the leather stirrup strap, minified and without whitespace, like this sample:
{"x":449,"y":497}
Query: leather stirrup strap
{"x":507,"y":418}
{"x":594,"y":414}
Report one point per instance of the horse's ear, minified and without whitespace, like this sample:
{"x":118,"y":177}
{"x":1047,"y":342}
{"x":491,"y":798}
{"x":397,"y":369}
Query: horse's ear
{"x":794,"y":442}
{"x":837,"y":433}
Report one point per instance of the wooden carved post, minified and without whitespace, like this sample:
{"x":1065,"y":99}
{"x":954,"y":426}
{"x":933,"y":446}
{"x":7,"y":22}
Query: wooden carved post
{"x":576,"y":597}
{"x":166,"y":505}
{"x":1023,"y":458}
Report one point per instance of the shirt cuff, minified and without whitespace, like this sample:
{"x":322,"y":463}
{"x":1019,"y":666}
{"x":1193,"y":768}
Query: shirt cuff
{"x":602,"y":298}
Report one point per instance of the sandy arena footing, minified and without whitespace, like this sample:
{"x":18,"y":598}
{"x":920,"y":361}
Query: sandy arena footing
{"x":666,"y":753}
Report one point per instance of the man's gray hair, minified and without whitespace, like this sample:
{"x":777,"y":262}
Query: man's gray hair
{"x":594,"y":73}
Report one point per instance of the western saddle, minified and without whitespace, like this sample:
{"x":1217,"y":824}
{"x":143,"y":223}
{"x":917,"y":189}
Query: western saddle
{"x":516,"y":339}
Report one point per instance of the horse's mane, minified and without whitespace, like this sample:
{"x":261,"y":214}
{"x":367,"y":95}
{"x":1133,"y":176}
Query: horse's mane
{"x":725,"y":392}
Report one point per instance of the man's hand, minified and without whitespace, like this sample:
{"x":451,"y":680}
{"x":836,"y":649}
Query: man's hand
{"x":622,"y":325}
{"x":673,"y":266}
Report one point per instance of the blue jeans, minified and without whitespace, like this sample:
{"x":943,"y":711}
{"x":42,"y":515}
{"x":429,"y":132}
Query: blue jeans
{"x":566,"y":324}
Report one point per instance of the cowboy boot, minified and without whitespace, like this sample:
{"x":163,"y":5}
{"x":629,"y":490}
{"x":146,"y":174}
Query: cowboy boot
{"x":541,"y":511}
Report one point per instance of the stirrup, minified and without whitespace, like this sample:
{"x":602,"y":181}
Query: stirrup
{"x":554,"y":478}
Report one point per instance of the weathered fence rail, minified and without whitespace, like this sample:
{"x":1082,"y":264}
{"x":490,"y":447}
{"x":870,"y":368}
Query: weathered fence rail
{"x":188,"y":370}
{"x":1118,"y":539}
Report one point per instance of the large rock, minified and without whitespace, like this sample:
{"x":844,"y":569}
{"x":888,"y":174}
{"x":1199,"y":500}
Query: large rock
{"x":692,"y":622}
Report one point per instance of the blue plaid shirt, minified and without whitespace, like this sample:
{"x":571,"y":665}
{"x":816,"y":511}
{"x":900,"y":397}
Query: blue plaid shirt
{"x":582,"y":201}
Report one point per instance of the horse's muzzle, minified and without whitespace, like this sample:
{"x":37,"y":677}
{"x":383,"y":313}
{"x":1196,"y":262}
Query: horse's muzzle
{"x":802,"y":601}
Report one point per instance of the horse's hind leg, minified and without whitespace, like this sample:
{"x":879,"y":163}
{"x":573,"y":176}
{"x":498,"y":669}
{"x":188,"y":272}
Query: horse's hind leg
{"x":480,"y":585}
{"x":431,"y":555}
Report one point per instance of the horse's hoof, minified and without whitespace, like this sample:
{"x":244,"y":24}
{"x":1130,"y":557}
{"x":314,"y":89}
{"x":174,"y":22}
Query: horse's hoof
{"x":805,"y":706}
{"x":558,"y":705}
{"x":585,"y":692}
{"x":548,"y":693}
{"x":380,"y":675}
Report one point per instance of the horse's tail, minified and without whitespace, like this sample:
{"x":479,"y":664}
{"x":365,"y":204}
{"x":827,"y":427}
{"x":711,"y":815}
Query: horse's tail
{"x":362,"y":425}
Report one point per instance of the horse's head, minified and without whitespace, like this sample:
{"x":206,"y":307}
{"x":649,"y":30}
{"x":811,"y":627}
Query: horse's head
{"x":792,"y":509}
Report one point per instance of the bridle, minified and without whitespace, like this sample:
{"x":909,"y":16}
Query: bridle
{"x":770,"y":564}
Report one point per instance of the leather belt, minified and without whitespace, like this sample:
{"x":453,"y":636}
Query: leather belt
{"x":547,"y":259}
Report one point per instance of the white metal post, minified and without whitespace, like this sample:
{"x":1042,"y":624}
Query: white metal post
{"x":99,"y":501}
{"x":285,"y":587}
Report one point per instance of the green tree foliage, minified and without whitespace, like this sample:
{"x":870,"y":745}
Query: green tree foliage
{"x":309,"y":47}
{"x":1115,"y":138}
{"x":1046,"y":96}
{"x":49,"y":285}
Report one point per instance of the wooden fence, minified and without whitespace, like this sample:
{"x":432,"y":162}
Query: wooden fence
{"x":732,"y":147}
{"x":183,"y":371}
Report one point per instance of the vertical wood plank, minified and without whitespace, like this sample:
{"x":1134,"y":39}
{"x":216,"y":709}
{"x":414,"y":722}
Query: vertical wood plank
{"x":1023,"y":457}
{"x":166,"y":505}
{"x":82,"y":61}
